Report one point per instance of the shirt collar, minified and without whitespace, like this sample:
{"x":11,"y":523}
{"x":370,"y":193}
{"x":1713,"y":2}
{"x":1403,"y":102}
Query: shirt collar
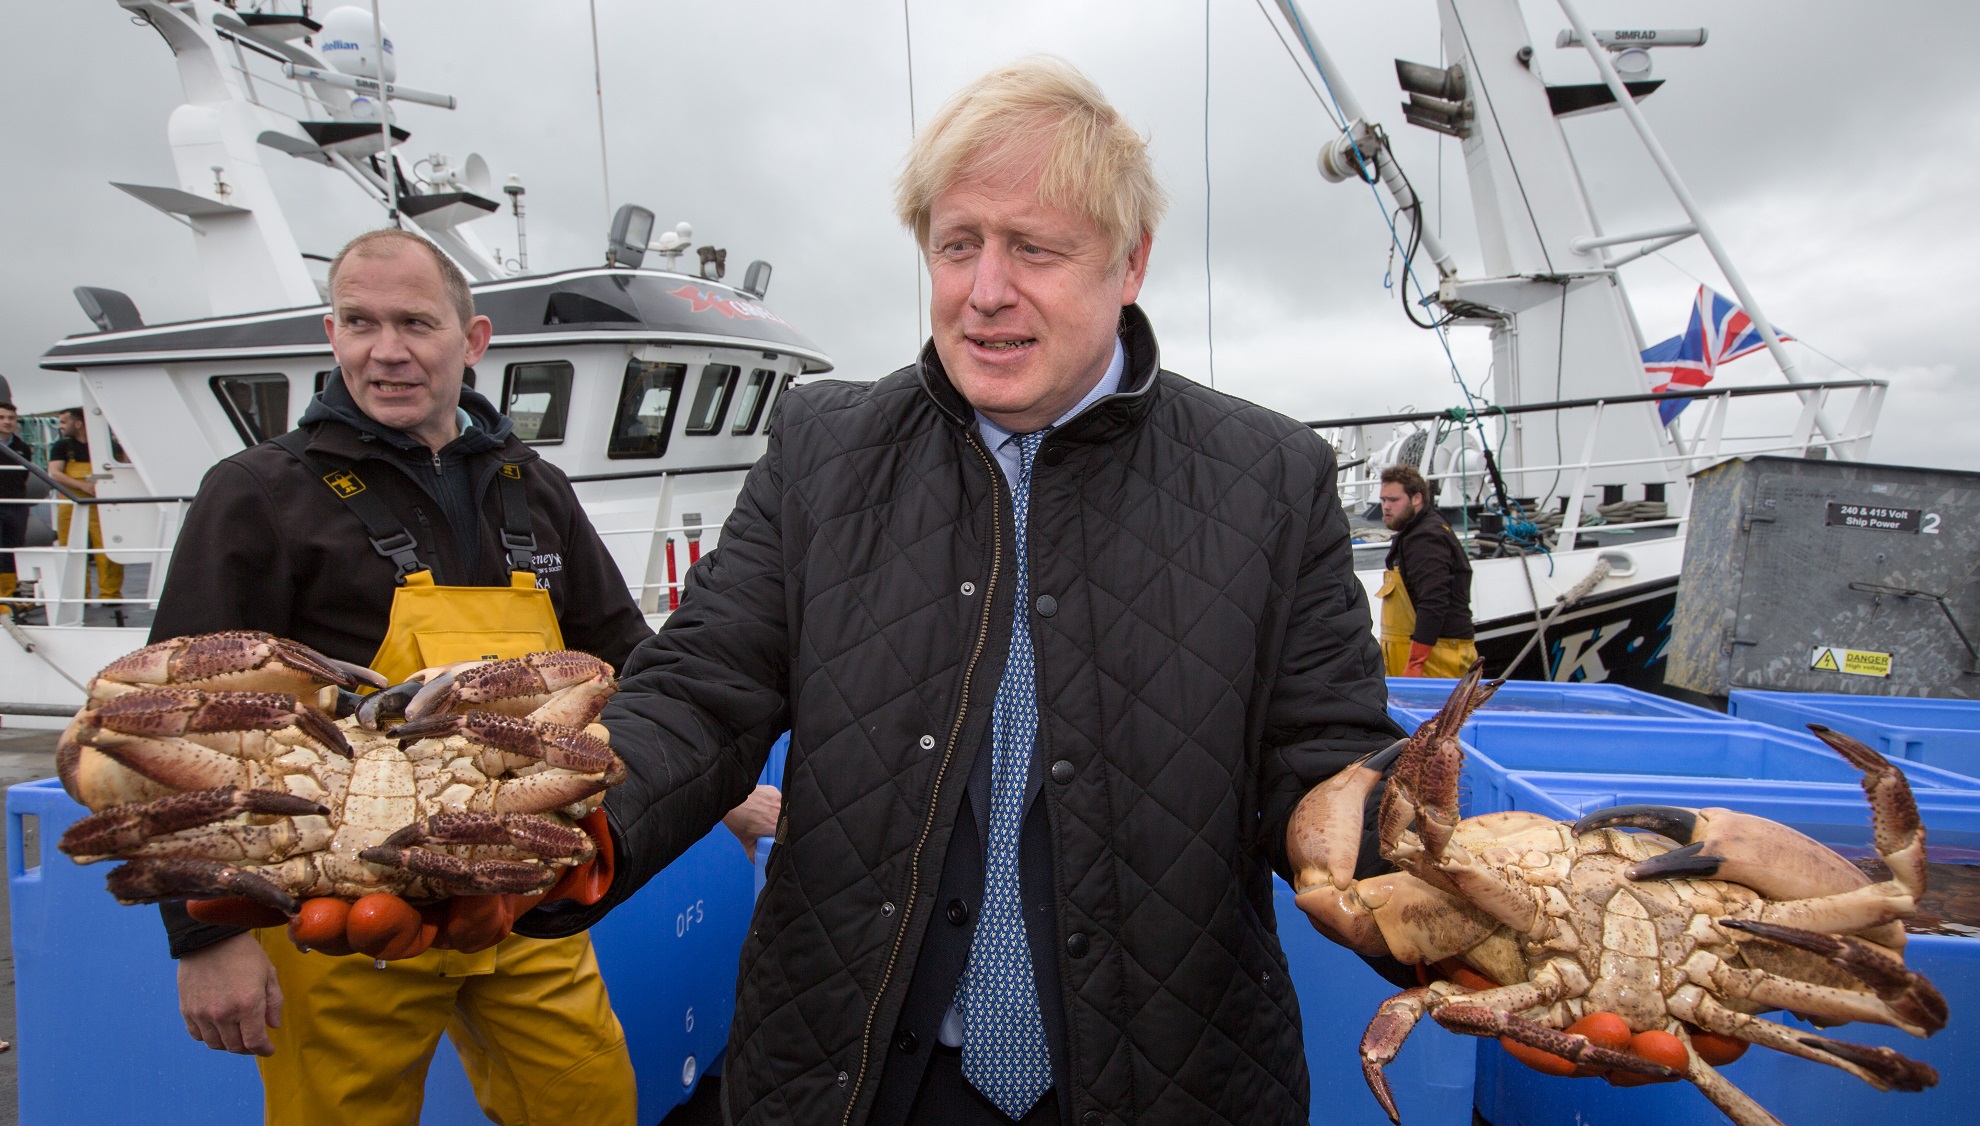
{"x":995,"y":436}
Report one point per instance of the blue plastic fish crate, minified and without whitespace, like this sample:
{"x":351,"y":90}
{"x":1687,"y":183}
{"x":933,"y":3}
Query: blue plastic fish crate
{"x":1432,"y":1078}
{"x":1797,"y":1091}
{"x":92,"y":978}
{"x":1531,"y":696}
{"x":1710,"y":755}
{"x":1942,"y":733}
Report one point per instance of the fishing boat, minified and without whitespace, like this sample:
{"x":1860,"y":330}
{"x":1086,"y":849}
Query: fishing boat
{"x":1570,"y":476}
{"x":650,"y":381}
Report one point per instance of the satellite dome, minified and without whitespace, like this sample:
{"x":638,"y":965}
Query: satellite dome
{"x":346,"y":44}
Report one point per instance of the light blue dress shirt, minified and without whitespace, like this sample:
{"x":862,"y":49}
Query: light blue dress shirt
{"x":999,"y":439}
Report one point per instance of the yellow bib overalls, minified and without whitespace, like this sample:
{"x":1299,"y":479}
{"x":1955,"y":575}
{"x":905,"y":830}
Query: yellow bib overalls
{"x":1451,"y":656}
{"x":529,"y":1017}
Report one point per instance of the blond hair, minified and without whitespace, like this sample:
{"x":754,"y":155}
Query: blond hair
{"x":386,"y":241}
{"x":1092,"y":162}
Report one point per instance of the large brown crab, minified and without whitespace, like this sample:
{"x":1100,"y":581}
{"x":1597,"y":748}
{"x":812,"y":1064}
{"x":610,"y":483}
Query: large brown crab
{"x":1530,"y":925}
{"x":209,"y":781}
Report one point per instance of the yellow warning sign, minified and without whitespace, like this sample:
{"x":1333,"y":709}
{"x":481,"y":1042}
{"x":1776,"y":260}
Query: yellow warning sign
{"x":1856,"y":662}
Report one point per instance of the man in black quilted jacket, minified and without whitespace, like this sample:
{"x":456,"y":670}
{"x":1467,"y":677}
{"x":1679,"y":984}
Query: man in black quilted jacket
{"x":1061,"y":639}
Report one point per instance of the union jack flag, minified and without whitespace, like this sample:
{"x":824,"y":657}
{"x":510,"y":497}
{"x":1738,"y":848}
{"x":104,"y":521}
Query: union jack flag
{"x":1720,"y":332}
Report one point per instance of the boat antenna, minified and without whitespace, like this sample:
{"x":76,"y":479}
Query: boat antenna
{"x":920,"y":308}
{"x":598,"y":88}
{"x":390,"y":168}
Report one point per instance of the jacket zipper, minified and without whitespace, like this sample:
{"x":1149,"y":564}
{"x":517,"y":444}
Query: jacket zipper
{"x":935,"y":794}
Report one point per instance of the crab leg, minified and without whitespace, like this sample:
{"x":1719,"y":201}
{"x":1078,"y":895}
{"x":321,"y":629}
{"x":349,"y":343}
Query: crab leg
{"x":553,"y":744}
{"x":1384,"y":1037}
{"x":152,"y":880}
{"x":1737,"y":1104}
{"x":1882,"y":1068}
{"x":125,"y":827}
{"x":1903,"y":998}
{"x":520,"y":834}
{"x":461,"y":876}
{"x":1472,"y":1017}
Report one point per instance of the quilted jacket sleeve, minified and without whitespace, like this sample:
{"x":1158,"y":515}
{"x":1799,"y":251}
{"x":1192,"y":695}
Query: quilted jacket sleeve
{"x":699,"y":703}
{"x":1329,"y":703}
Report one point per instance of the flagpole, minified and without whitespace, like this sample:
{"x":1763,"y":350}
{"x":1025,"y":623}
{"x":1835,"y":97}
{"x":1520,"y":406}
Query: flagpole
{"x":1627,"y":103}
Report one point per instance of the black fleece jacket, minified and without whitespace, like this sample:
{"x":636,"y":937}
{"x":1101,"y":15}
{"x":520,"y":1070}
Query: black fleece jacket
{"x":1437,"y":575}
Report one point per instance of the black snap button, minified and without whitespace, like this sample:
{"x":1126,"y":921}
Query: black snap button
{"x":1077,"y":945}
{"x":906,"y":1043}
{"x":957,"y":912}
{"x":1047,"y":605}
{"x":1056,"y":455}
{"x":1090,"y":1118}
{"x":1062,"y":772}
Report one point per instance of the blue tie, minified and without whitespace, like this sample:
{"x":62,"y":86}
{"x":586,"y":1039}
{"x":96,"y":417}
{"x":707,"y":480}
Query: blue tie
{"x":1004,"y":1052}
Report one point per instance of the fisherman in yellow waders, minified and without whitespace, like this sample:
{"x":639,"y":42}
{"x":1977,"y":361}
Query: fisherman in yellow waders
{"x":1426,"y":590}
{"x":402,"y":525}
{"x":68,"y":463}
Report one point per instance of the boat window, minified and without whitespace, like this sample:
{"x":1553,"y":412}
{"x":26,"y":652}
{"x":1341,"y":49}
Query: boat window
{"x":755,"y":394}
{"x":711,"y":398}
{"x":781,"y":388}
{"x":537,"y":398}
{"x":257,"y":405}
{"x":646,"y":409}
{"x":322,"y":377}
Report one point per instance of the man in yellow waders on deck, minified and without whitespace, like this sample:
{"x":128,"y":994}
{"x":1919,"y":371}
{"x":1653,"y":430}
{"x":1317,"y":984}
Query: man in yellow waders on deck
{"x":399,"y":527}
{"x":68,"y":463}
{"x":1426,"y":590}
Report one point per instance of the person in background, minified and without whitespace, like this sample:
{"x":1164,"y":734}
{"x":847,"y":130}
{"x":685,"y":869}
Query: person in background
{"x":68,"y":463}
{"x":13,"y":490}
{"x":1426,"y":591}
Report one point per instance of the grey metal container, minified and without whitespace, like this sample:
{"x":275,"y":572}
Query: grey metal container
{"x":1829,"y":576}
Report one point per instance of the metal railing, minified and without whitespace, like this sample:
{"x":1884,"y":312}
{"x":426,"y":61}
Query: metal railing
{"x":1355,"y":441}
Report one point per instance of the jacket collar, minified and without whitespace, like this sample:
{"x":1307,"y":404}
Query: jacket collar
{"x":1106,"y":419}
{"x":355,"y":435}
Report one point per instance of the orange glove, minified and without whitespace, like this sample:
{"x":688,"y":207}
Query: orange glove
{"x":1419,"y":653}
{"x":476,"y":922}
{"x":388,"y":928}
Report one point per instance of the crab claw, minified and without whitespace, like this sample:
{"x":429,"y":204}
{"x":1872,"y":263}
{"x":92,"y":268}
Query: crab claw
{"x":562,"y":686}
{"x":382,"y":708}
{"x":522,"y":833}
{"x":1724,"y":844}
{"x":152,"y":880}
{"x":128,"y":826}
{"x":237,"y":660}
{"x":463,"y":876}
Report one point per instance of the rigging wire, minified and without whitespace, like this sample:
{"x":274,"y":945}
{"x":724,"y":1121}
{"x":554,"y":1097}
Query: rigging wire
{"x":920,"y":306}
{"x":598,"y":89}
{"x":1519,"y":529}
{"x":1209,"y":290}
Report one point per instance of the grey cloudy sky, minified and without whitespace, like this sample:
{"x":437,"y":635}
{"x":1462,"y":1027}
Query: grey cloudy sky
{"x":1831,"y":143}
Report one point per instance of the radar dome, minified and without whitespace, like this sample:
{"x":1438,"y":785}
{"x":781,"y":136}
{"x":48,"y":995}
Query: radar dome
{"x":346,"y":44}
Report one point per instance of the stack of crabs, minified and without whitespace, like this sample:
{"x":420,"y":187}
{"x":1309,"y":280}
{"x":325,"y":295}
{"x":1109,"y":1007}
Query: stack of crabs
{"x":1588,"y":950}
{"x":218,"y":770}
